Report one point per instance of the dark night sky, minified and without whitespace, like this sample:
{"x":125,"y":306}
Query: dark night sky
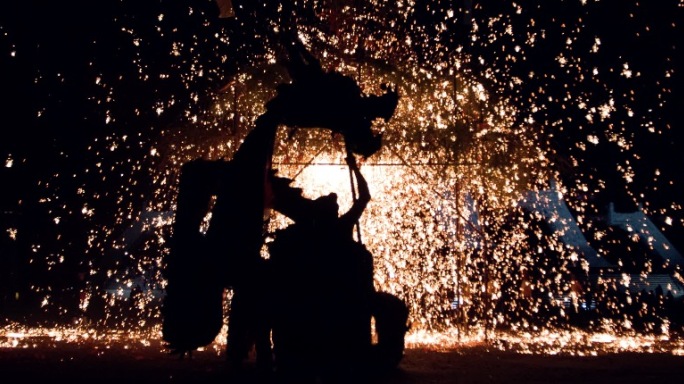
{"x":61,"y":47}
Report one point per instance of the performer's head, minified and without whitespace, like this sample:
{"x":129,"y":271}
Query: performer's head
{"x":325,"y":207}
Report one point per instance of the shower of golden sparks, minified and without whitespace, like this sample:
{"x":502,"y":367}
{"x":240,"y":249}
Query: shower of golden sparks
{"x":479,"y":122}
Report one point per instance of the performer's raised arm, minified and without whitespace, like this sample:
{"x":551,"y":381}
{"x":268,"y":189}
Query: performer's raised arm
{"x":352,"y":216}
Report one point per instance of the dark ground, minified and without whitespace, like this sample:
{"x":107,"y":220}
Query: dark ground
{"x":64,"y":362}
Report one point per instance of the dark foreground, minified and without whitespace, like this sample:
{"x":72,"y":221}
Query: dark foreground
{"x":85,"y":363}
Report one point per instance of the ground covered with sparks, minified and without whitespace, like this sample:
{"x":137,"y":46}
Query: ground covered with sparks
{"x":544,"y":342}
{"x":80,"y":354}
